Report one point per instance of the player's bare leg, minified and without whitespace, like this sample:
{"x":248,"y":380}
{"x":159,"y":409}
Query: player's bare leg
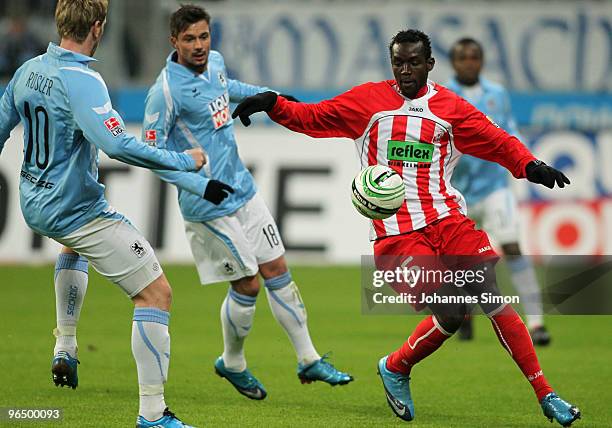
{"x":237,"y":312}
{"x":288,"y":309}
{"x":70,"y":287}
{"x":526,"y":284}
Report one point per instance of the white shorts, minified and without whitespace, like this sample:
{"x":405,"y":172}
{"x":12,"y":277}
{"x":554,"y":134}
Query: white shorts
{"x":233,"y":247}
{"x":498,"y":216}
{"x":118,"y":251}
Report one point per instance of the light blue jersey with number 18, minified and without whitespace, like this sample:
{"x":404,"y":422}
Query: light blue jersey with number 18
{"x":185,"y":109}
{"x":67,"y":116}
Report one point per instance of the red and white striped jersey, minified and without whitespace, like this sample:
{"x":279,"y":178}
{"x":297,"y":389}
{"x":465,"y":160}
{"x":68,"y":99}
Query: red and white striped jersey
{"x":421,"y":139}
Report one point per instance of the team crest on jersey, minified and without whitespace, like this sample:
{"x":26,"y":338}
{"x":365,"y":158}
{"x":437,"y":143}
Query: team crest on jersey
{"x":222,"y":80}
{"x":438,"y":135}
{"x":138,"y":249}
{"x":151,"y":137}
{"x":229,"y":268}
{"x":114,"y":126}
{"x":219,"y":110}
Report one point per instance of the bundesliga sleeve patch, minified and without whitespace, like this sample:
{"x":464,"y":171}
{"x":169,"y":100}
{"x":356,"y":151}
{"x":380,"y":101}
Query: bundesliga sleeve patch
{"x":114,"y":126}
{"x":151,"y":136}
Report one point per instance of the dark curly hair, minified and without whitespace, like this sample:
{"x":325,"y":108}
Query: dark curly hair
{"x":412,"y":36}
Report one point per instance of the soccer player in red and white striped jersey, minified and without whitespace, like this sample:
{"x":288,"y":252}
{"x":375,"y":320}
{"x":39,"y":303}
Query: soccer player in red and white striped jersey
{"x":420,"y":129}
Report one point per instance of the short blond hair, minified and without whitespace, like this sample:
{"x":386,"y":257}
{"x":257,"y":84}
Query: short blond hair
{"x":74,"y":18}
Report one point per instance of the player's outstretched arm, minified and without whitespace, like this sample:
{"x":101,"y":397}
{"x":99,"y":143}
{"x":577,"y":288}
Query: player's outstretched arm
{"x":160,"y":117}
{"x":131,"y":151}
{"x":264,"y":101}
{"x":103,"y":126}
{"x":540,"y":173}
{"x":477,"y":135}
{"x":238,"y":91}
{"x":217,"y":191}
{"x":213,"y":191}
{"x":345,"y":115}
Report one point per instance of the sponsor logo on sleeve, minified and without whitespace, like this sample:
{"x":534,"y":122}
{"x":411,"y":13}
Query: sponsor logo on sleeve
{"x":114,"y":126}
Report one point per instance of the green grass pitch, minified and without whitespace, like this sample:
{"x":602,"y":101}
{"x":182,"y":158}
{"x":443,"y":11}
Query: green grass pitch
{"x":462,"y":385}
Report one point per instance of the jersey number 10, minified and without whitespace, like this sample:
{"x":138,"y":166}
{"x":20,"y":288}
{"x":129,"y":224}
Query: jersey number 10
{"x":39,"y":113}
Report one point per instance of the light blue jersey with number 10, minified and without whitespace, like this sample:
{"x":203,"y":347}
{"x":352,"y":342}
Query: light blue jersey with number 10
{"x":67,"y":116}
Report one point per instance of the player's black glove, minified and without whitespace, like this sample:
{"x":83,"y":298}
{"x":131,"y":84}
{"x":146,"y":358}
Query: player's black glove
{"x":217,"y":191}
{"x":289,"y":98}
{"x":540,"y":173}
{"x":263,"y":101}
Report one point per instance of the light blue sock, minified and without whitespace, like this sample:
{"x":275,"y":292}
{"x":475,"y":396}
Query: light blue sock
{"x":288,"y":309}
{"x":237,"y":312}
{"x":151,"y":350}
{"x":70,"y":287}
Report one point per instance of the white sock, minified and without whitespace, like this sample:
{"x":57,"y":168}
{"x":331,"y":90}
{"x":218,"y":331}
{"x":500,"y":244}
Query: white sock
{"x":151,"y":350}
{"x":526,"y":285}
{"x":237,"y":312}
{"x":288,"y":309}
{"x":70,"y":288}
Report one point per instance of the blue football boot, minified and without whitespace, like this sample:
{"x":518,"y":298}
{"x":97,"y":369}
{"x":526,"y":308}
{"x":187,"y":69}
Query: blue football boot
{"x":397,"y":390}
{"x":243,"y":381}
{"x":64,"y":370}
{"x":323,"y":371}
{"x":168,"y":420}
{"x":560,"y":410}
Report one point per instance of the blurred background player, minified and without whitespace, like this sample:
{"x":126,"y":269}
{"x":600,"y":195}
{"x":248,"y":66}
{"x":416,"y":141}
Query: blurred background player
{"x":413,"y":110}
{"x":486,"y":187}
{"x":67,"y":116}
{"x":17,"y":45}
{"x":232,"y":234}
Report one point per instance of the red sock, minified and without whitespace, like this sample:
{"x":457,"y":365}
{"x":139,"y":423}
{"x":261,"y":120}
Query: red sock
{"x":424,"y":340}
{"x":514,"y":336}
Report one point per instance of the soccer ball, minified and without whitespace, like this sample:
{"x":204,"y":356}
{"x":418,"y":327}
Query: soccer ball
{"x":378,"y":192}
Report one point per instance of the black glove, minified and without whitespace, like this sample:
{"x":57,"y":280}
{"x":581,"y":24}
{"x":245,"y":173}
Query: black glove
{"x":540,"y":173}
{"x":261,"y":102}
{"x":289,"y":98}
{"x":217,"y":191}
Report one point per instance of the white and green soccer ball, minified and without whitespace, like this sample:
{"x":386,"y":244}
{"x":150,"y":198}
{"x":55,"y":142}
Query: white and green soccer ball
{"x":378,"y":192}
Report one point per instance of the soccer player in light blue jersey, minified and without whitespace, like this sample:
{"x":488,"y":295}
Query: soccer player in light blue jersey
{"x":232,"y":234}
{"x":67,"y":116}
{"x":486,"y":187}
